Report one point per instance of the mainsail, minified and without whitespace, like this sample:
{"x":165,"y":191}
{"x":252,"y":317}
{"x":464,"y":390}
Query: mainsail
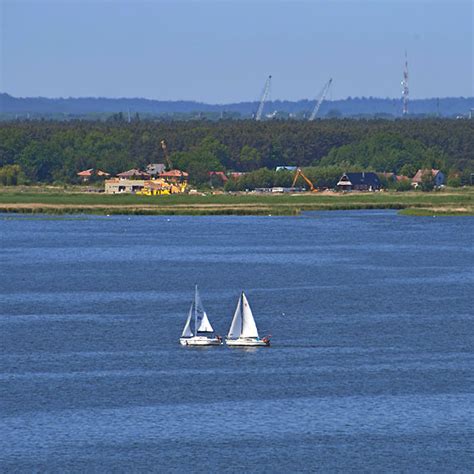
{"x":187,"y":327}
{"x":201,"y":321}
{"x":249,"y":328}
{"x":243,"y":323}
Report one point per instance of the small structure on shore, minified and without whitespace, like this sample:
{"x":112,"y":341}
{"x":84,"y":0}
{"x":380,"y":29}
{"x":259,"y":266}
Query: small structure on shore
{"x":87,"y":175}
{"x":437,"y":175}
{"x":393,"y":177}
{"x":175,"y":176}
{"x":283,"y":190}
{"x":134,"y":173}
{"x":155,"y":169}
{"x":160,"y":186}
{"x":364,"y":181}
{"x":236,"y":174}
{"x":217,"y":178}
{"x":121,"y":185}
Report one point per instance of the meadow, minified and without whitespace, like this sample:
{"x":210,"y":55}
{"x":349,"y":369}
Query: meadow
{"x":52,"y":200}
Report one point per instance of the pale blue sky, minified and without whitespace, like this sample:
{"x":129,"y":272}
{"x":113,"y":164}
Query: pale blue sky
{"x":222,"y":51}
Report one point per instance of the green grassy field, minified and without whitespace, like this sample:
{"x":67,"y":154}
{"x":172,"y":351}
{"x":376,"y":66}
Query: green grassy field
{"x":448,"y":201}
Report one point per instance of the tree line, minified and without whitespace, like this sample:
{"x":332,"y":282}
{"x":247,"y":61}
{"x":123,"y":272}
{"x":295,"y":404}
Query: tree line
{"x":48,"y":151}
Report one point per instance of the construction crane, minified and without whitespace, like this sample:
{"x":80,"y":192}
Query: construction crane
{"x":299,"y":173}
{"x":164,"y":147}
{"x":265,"y":95}
{"x":322,"y":95}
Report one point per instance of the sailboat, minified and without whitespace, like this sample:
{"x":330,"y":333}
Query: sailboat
{"x":243,"y":330}
{"x":198,"y":330}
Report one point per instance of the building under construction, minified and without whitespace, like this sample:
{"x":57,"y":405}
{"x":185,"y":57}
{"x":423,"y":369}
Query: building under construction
{"x":140,"y":183}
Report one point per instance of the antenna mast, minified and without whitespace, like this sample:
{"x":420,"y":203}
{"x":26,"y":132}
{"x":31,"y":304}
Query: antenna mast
{"x":265,"y":95}
{"x":405,"y":90}
{"x":322,"y":95}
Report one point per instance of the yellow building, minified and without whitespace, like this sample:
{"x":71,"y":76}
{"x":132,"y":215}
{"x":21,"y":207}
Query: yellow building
{"x":169,"y":182}
{"x":160,"y":186}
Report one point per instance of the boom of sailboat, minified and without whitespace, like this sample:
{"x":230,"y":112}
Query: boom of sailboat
{"x":243,"y":332}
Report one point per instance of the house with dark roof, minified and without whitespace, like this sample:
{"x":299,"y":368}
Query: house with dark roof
{"x":364,"y":181}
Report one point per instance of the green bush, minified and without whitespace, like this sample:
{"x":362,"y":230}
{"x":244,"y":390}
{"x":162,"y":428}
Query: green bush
{"x":427,"y":181}
{"x":454,"y":181}
{"x":11,"y":175}
{"x":403,"y":185}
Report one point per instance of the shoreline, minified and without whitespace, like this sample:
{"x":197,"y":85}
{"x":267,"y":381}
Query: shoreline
{"x":60,"y":202}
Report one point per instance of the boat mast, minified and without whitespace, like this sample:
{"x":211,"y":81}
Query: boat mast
{"x":241,"y":313}
{"x":195,"y":310}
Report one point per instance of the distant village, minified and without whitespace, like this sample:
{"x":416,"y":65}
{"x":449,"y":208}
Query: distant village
{"x":156,"y":180}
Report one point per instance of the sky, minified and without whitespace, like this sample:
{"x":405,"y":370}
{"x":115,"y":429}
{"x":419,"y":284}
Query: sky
{"x":222,"y":51}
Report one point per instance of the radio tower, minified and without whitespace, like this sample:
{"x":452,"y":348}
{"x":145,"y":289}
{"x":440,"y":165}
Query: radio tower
{"x":406,"y":90}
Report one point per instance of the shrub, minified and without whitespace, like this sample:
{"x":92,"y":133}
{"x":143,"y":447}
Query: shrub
{"x":454,"y":181}
{"x":11,"y":175}
{"x":403,"y":185}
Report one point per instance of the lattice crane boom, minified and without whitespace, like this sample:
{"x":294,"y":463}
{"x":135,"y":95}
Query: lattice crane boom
{"x":264,"y":98}
{"x":322,"y":95}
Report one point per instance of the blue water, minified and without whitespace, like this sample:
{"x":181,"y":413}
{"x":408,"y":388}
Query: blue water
{"x":371,"y":366}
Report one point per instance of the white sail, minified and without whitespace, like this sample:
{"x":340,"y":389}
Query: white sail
{"x":205,"y":324}
{"x":198,"y":310}
{"x":236,"y":325}
{"x":249,"y":328}
{"x":187,"y":327}
{"x":201,"y":322}
{"x":198,"y":330}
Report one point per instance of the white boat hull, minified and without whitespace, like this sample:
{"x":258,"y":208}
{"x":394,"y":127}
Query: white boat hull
{"x":200,"y":341}
{"x":247,"y":342}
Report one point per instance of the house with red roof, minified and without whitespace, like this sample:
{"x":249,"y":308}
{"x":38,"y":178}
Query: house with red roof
{"x":174,"y":176}
{"x":220,"y":175}
{"x":236,"y":174}
{"x":86,"y":175}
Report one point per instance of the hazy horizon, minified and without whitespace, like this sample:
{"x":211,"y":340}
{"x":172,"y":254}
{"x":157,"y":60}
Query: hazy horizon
{"x":310,"y":99}
{"x":221,"y":52}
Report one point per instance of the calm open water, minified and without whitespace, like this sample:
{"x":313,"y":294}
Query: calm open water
{"x":371,"y":367}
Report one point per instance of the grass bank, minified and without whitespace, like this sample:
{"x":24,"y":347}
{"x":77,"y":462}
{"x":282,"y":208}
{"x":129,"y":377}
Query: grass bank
{"x":60,"y":201}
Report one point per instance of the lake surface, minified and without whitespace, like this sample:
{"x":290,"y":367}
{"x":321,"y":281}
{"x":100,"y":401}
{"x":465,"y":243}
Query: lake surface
{"x":371,"y":366}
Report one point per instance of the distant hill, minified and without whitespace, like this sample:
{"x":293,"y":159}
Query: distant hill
{"x":90,"y":107}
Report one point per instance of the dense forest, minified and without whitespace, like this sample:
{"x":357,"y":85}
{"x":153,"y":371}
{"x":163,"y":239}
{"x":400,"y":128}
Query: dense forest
{"x":49,"y":151}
